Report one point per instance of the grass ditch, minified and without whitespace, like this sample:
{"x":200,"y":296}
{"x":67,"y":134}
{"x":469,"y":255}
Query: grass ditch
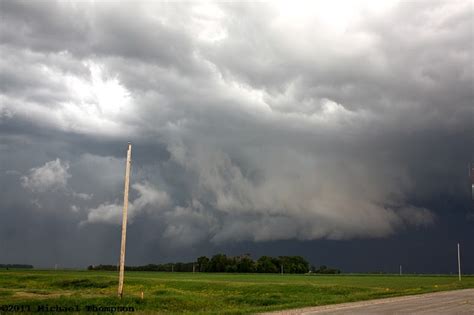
{"x":181,"y":293}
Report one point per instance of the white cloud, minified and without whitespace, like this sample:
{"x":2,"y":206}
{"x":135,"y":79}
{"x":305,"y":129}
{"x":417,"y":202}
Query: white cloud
{"x":149,"y":199}
{"x":89,"y":100}
{"x":52,"y":176}
{"x":106,"y":212}
{"x":149,"y":196}
{"x":82,"y":196}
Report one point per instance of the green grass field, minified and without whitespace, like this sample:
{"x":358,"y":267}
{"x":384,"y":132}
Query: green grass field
{"x":202,"y":293}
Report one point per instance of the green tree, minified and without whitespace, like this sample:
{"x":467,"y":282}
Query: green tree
{"x":203,"y":263}
{"x":245,"y":264}
{"x":266,"y":264}
{"x":218,"y":263}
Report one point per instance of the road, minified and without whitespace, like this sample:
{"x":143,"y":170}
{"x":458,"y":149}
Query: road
{"x":449,"y":302}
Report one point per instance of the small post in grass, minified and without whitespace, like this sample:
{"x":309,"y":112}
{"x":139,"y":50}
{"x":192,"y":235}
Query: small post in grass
{"x":400,"y":270}
{"x":459,"y":262}
{"x":124,"y":220}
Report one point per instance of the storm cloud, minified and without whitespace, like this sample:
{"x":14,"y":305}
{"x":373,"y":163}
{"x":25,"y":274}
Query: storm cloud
{"x":250,"y":122}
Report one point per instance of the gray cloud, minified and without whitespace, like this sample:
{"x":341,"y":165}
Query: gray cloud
{"x":250,"y":122}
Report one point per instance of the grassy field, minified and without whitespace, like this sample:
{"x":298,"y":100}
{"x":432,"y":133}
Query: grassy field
{"x":207,"y":293}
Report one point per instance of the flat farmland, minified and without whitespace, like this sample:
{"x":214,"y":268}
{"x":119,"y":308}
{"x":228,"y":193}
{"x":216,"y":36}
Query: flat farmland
{"x":206,"y":293}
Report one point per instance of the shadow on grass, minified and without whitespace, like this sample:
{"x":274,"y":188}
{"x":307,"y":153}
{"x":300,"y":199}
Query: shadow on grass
{"x":82,"y":284}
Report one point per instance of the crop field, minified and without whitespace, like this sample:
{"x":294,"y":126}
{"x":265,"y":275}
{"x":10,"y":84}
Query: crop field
{"x":203,"y":293}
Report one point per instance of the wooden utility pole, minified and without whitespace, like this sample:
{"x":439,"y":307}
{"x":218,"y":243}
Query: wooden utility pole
{"x":459,"y":262}
{"x":124,"y":220}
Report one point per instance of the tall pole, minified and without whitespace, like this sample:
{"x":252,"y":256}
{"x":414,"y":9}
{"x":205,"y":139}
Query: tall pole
{"x":400,"y":270}
{"x":459,"y":262}
{"x":124,"y":220}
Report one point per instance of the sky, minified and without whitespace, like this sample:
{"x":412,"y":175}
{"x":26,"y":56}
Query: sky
{"x":336,"y":130}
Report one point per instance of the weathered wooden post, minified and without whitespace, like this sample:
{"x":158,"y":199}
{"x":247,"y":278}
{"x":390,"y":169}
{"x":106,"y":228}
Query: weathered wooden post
{"x":124,"y":220}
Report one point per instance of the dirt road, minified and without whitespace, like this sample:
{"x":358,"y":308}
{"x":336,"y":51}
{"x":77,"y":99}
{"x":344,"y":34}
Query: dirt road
{"x":449,"y":302}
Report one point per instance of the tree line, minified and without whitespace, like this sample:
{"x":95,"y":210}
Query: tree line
{"x":16,"y":266}
{"x":232,"y":264}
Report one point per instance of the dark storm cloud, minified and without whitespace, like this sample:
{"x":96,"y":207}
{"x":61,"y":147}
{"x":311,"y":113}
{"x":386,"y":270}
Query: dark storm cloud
{"x":250,"y":122}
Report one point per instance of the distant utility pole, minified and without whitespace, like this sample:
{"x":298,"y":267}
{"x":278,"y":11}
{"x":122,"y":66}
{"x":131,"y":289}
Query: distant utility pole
{"x":400,"y":270}
{"x":172,"y":268}
{"x":281,"y":267}
{"x":471,"y":176}
{"x":194,"y":268}
{"x":459,"y":262}
{"x":124,"y":220}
